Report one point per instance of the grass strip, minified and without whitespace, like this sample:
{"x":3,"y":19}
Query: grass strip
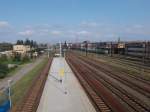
{"x":20,"y":88}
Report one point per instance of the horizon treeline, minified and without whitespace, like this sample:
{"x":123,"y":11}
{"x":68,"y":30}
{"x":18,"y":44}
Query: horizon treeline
{"x":31,"y":43}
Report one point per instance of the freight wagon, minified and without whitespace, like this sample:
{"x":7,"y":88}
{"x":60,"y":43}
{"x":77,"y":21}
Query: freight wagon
{"x":138,"y":49}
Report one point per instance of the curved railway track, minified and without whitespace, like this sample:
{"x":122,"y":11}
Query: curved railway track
{"x":93,"y":73}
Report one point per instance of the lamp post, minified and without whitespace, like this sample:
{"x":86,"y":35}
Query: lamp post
{"x":9,"y":92}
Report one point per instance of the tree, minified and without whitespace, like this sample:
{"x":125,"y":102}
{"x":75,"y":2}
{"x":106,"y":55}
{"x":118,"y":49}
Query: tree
{"x":5,"y":46}
{"x":25,"y":59}
{"x":27,"y":42}
{"x":17,"y":57}
{"x":19,"y":42}
{"x":34,"y":44}
{"x":31,"y":43}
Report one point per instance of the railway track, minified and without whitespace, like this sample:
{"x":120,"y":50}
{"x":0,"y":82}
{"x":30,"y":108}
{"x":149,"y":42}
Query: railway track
{"x":131,"y":103}
{"x":92,"y":86}
{"x":142,"y":87}
{"x":137,"y":76}
{"x":134,"y":64}
{"x":31,"y":100}
{"x":96,"y":100}
{"x":140,"y":77}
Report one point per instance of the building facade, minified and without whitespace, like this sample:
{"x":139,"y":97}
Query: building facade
{"x":22,"y":49}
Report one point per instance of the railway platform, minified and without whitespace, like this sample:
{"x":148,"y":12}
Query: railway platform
{"x":62,"y":91}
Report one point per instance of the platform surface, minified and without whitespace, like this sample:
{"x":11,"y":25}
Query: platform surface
{"x":65,"y":96}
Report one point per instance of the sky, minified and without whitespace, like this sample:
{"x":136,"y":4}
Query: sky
{"x":51,"y":21}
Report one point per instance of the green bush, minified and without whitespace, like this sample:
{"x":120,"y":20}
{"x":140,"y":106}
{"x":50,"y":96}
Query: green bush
{"x":3,"y":58}
{"x":25,"y":59}
{"x":3,"y":70}
{"x":17,"y":57}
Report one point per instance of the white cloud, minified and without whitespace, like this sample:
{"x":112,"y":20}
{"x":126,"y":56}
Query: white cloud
{"x":26,"y":33}
{"x":56,"y":32}
{"x":89,"y":24}
{"x":44,"y":30}
{"x":83,"y":32}
{"x":4,"y":24}
{"x":138,"y":30}
{"x":138,"y":26}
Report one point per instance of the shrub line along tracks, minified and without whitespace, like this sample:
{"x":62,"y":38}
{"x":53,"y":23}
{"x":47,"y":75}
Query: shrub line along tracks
{"x":31,"y":100}
{"x":105,"y":89}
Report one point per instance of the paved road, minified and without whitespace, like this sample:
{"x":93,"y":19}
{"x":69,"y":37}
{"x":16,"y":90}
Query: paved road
{"x":19,"y":74}
{"x":54,"y":98}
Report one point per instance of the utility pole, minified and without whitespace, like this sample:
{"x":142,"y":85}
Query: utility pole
{"x":148,"y":50}
{"x":60,"y":49}
{"x":144,"y":51}
{"x":111,"y":49}
{"x":65,"y":48}
{"x":48,"y":50}
{"x":9,"y":93}
{"x":118,"y":49}
{"x":86,"y":47}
